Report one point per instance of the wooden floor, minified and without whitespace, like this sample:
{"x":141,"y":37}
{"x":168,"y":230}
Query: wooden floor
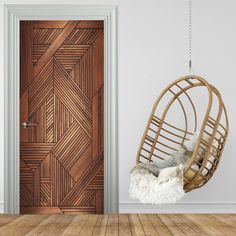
{"x":117,"y":225}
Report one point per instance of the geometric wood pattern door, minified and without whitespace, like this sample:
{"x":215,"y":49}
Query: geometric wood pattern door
{"x":61,"y":98}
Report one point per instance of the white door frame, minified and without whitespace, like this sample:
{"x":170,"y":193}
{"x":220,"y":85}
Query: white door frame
{"x":15,"y":13}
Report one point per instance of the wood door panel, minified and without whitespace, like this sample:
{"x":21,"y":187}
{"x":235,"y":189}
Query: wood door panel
{"x":61,"y":156}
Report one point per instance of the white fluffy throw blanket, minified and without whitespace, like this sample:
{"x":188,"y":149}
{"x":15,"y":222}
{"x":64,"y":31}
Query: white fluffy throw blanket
{"x":160,"y":183}
{"x":148,"y":188}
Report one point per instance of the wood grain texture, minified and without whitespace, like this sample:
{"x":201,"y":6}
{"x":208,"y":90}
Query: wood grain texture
{"x":124,"y":225}
{"x":54,"y":46}
{"x":26,"y":54}
{"x":135,"y":225}
{"x":112,"y":225}
{"x":61,"y":158}
{"x":22,"y":225}
{"x":101,"y":225}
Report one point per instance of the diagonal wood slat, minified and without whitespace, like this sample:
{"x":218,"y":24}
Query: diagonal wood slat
{"x":45,"y":36}
{"x":83,"y":36}
{"x":83,"y":182}
{"x":72,"y":97}
{"x":72,"y":144}
{"x":70,"y":55}
{"x":43,"y":83}
{"x":61,"y":182}
{"x":26,"y":194}
{"x":45,"y":192}
{"x":54,"y":46}
{"x":83,"y":73}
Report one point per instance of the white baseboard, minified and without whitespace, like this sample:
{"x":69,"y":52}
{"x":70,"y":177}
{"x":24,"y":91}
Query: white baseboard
{"x":192,"y":208}
{"x":221,"y":208}
{"x":1,"y":207}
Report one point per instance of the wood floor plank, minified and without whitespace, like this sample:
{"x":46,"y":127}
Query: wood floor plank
{"x":54,"y":225}
{"x":76,"y":225}
{"x":5,"y":219}
{"x":173,"y":228}
{"x":187,"y":226}
{"x":89,"y":225}
{"x":135,"y":225}
{"x":217,"y":223}
{"x":124,"y":225}
{"x":101,"y":226}
{"x":160,"y":227}
{"x":147,"y":225}
{"x":112,"y":225}
{"x":228,"y":219}
{"x":54,"y":46}
{"x":226,"y":228}
{"x":210,"y":228}
{"x":22,"y":225}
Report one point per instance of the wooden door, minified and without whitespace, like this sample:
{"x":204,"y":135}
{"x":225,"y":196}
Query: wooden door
{"x":61,"y":103}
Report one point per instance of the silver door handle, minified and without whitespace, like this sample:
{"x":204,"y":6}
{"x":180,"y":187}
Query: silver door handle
{"x":27,"y":124}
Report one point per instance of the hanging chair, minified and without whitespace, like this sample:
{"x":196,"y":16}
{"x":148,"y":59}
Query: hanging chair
{"x":176,"y":116}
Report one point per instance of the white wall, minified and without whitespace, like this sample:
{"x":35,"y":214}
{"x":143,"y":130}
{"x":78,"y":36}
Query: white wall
{"x":153,"y":47}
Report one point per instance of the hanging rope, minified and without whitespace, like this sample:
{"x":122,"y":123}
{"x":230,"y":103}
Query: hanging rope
{"x":190,"y":36}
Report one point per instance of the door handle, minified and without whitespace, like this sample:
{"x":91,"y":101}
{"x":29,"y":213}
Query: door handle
{"x":27,"y":124}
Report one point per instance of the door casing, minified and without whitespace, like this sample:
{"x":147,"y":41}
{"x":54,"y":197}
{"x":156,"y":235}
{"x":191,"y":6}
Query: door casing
{"x":15,"y":13}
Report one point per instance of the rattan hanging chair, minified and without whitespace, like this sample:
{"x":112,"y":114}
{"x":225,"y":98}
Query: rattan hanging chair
{"x":175,"y":117}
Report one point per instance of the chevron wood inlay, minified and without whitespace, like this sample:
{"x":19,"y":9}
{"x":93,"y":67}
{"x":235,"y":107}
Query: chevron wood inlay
{"x":43,"y":83}
{"x":82,"y":163}
{"x":61,"y":182}
{"x":86,"y":197}
{"x":72,"y":97}
{"x":97,"y":182}
{"x":54,"y":46}
{"x":69,"y":55}
{"x":83,"y":73}
{"x":73,"y":143}
{"x":83,"y":182}
{"x":61,"y":153}
{"x":33,"y":163}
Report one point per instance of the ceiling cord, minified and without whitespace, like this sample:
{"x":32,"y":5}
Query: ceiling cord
{"x":190,"y":37}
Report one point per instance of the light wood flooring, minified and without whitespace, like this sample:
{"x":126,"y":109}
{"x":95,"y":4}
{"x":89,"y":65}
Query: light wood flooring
{"x":164,"y":224}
